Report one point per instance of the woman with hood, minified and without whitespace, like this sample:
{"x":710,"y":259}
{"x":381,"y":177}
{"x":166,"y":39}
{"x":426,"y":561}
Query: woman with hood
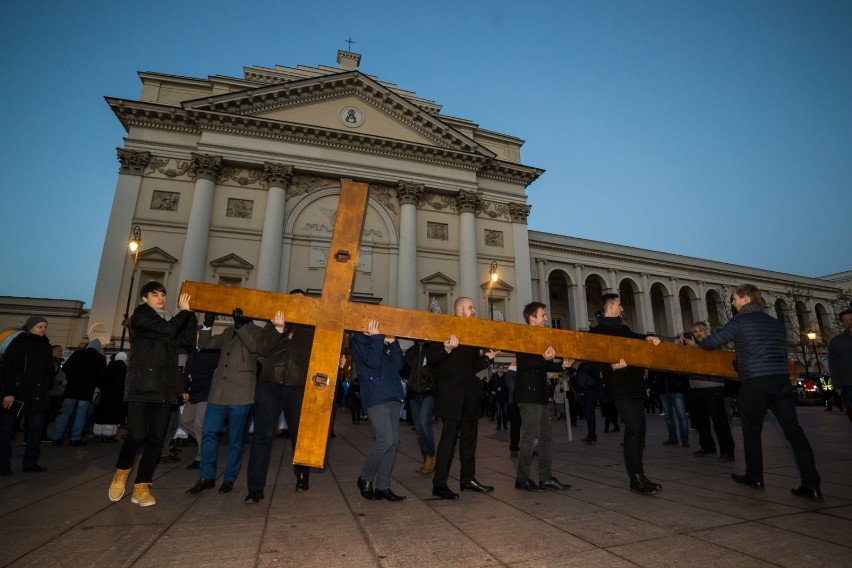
{"x":25,"y":373}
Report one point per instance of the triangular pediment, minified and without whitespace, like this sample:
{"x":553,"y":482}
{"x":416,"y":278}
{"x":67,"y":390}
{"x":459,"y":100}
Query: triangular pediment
{"x":499,"y":285}
{"x":156,"y":254}
{"x":231,"y":261}
{"x":326,"y":102}
{"x":439,"y":279}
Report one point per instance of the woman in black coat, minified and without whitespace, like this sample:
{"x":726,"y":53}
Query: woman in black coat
{"x":111,"y":410}
{"x":25,"y":374}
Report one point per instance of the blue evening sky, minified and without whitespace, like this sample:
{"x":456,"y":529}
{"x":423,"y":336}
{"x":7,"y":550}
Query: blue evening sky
{"x":715,"y":129}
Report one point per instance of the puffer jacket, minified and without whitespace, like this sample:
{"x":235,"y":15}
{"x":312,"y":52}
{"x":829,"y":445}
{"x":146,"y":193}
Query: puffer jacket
{"x":377,"y":365}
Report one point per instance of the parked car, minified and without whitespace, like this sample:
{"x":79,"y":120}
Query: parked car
{"x":808,"y":385}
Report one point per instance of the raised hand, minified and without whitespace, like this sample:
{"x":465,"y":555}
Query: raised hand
{"x":620,"y":365}
{"x":278,"y":321}
{"x":451,"y":343}
{"x":183,"y":302}
{"x":549,"y":353}
{"x":372,"y":327}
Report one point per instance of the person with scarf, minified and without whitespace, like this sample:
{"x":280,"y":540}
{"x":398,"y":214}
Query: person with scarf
{"x":153,"y":381}
{"x":26,"y":371}
{"x":625,"y":386}
{"x":760,"y":342}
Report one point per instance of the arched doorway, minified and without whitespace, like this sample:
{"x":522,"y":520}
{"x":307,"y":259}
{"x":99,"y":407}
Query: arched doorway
{"x":561,"y":300}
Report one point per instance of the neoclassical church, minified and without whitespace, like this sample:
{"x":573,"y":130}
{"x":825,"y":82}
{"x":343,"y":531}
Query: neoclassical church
{"x":235,"y":181}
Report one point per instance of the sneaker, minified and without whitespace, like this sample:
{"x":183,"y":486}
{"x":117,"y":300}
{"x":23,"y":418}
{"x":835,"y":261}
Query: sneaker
{"x":142,"y":495}
{"x":253,"y":497}
{"x":119,"y":484}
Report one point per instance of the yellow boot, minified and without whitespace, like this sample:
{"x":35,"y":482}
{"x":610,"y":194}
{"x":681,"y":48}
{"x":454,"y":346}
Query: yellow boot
{"x":118,"y":485}
{"x":142,"y":495}
{"x":428,"y":465}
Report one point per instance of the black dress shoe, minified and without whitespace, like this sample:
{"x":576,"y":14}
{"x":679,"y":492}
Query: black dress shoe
{"x":746,"y":480}
{"x":643,"y":486}
{"x":529,"y":485}
{"x":253,"y":497}
{"x":474,"y":485}
{"x":554,"y":483}
{"x":34,"y":469}
{"x":302,"y":483}
{"x":808,"y":493}
{"x":194,"y":465}
{"x":444,"y":492}
{"x":226,"y":487}
{"x":201,"y":485}
{"x":366,"y":489}
{"x":387,"y":495}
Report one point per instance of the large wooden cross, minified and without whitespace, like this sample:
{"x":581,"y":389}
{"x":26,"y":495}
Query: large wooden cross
{"x":333,"y":313}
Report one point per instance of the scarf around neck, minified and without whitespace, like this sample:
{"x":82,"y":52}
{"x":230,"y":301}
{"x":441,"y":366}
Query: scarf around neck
{"x":750,"y":308}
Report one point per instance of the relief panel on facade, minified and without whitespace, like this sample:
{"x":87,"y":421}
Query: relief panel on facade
{"x":437,"y":231}
{"x":165,"y":200}
{"x":493,"y":238}
{"x":239,"y":208}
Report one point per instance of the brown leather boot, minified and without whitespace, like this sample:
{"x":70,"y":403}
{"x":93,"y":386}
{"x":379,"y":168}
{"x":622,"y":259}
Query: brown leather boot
{"x":428,"y":465}
{"x":119,"y":482}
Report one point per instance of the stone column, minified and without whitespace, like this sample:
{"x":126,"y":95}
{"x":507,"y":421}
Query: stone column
{"x":675,"y":320}
{"x":468,"y":203}
{"x":108,"y":303}
{"x":647,"y":306}
{"x":206,"y":169}
{"x":410,"y":195}
{"x":541,"y":274}
{"x":276,"y":177}
{"x":702,"y":304}
{"x":613,"y":285}
{"x":523,"y":275}
{"x":581,"y":318}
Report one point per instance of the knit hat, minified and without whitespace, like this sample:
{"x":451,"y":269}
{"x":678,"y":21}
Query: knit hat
{"x":121,"y":356}
{"x":33,"y":321}
{"x":96,"y":345}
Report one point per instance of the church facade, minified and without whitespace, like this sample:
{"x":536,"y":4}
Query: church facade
{"x":235,"y":181}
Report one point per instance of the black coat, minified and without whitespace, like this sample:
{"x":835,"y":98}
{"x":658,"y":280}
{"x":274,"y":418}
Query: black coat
{"x":459,"y":389}
{"x":625,"y":383}
{"x":152,"y":372}
{"x":531,"y":383}
{"x":27,"y":372}
{"x":111,"y":408}
{"x":286,"y":354}
{"x":84,"y":370}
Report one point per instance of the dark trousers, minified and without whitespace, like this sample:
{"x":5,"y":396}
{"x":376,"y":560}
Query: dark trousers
{"x":32,"y":438}
{"x":633,"y":413}
{"x":774,"y":392}
{"x":587,"y":402}
{"x":52,"y":413}
{"x":706,"y":405}
{"x":466,"y":431}
{"x":514,"y":427}
{"x":146,"y":423}
{"x":270,"y":400}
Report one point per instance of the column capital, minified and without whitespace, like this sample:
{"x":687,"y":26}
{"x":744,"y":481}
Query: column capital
{"x":132,"y":162}
{"x":468,"y":201}
{"x":409,"y":192}
{"x":540,"y":260}
{"x":276,"y":174}
{"x":519,"y":212}
{"x":206,"y":166}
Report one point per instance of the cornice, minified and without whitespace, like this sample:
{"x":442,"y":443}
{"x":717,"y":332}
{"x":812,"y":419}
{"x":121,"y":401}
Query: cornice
{"x":509,"y":172}
{"x":152,"y":115}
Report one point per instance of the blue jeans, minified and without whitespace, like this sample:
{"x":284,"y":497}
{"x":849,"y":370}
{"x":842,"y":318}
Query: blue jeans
{"x":384,"y":418}
{"x":421,"y":412}
{"x":678,"y":401}
{"x":68,"y":408}
{"x":214,"y":419}
{"x":270,"y":399}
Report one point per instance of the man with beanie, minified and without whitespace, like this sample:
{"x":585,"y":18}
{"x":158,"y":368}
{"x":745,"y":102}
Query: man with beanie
{"x":84,"y":370}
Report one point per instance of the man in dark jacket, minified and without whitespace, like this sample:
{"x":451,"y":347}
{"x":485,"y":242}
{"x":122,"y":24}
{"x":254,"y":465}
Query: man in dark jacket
{"x":625,"y":386}
{"x":761,"y":345}
{"x":457,"y":403}
{"x":840,"y":361}
{"x":153,"y":381}
{"x":286,"y":352}
{"x":84,"y":370}
{"x":531,"y":395}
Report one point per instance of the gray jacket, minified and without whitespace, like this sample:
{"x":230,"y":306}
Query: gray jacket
{"x":236,"y":376}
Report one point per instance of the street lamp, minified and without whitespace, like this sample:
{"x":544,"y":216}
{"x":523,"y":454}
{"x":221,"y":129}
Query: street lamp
{"x":133,"y":246}
{"x":494,"y":277}
{"x":812,"y":336}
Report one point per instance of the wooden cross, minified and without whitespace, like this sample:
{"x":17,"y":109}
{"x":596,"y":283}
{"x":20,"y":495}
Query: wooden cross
{"x":333,"y":313}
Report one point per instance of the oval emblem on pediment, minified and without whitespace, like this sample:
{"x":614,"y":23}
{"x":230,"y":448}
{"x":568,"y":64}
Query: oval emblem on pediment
{"x":351,"y":117}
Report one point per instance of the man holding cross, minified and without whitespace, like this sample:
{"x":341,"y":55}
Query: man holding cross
{"x":457,"y":403}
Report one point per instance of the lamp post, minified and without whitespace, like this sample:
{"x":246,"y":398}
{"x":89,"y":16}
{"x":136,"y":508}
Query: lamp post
{"x":812,"y":336}
{"x":494,"y":276}
{"x":133,"y":246}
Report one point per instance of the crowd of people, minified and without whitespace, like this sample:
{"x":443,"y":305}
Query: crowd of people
{"x":247,"y":376}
